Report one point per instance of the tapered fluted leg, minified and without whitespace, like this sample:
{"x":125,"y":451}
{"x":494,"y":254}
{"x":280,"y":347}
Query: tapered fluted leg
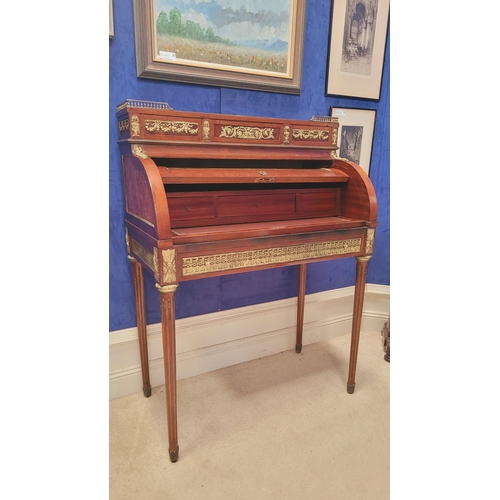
{"x":140,"y":312}
{"x":300,"y":306}
{"x":168,"y":336}
{"x":359,"y":295}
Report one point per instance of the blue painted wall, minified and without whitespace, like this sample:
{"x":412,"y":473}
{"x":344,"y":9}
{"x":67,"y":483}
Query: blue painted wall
{"x":215,"y":294}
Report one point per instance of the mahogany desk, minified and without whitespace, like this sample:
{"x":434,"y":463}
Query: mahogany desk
{"x":212,"y":194}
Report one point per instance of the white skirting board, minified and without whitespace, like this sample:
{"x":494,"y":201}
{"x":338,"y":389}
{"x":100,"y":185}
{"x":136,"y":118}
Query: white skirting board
{"x":216,"y":340}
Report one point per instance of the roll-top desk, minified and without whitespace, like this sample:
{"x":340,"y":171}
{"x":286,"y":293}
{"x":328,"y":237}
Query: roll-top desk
{"x":212,"y":194}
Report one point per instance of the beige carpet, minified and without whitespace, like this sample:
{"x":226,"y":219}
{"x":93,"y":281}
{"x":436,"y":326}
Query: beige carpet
{"x":281,"y":427}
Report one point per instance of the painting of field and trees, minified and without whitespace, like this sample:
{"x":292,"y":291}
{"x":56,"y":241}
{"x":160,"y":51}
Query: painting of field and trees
{"x":245,"y":44}
{"x":249,"y":36}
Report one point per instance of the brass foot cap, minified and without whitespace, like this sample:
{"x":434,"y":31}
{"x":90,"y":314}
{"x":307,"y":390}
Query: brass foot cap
{"x":146,"y":391}
{"x":350,"y":388}
{"x":174,"y":454}
{"x":298,"y":349}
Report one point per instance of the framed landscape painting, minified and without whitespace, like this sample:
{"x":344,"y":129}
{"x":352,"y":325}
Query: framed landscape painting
{"x":248,"y":44}
{"x":355,"y":135}
{"x":358,"y":34}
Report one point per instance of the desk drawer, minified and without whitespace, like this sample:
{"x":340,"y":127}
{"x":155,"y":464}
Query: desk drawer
{"x":261,"y":204}
{"x":319,"y":202}
{"x":186,"y":208}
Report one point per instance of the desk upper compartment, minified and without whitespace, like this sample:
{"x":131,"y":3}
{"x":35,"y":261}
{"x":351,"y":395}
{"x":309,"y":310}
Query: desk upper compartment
{"x":186,"y":170}
{"x":145,"y":121}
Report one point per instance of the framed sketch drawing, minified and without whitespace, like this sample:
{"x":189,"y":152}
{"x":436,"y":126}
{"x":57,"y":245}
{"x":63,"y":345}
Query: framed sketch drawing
{"x":355,"y":139}
{"x":358,"y":33}
{"x":248,"y":44}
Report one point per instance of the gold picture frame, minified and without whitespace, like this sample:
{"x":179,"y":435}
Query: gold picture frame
{"x":358,"y":34}
{"x":228,"y":47}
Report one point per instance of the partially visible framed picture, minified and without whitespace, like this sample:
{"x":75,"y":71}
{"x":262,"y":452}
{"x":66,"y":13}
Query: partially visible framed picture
{"x":355,"y":135}
{"x":247,"y":44}
{"x":358,"y":33}
{"x":111,"y":22}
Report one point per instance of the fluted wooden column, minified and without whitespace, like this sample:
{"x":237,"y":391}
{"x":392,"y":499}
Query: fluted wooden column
{"x":359,"y":295}
{"x":167,"y":305}
{"x":140,"y":311}
{"x":300,"y":306}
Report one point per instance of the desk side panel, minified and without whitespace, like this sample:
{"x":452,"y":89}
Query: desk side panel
{"x":145,"y":200}
{"x":358,"y":198}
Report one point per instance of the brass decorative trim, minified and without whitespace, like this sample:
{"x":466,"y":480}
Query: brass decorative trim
{"x":136,"y":129}
{"x":155,"y":264}
{"x":286,"y":135}
{"x":365,"y":258}
{"x":310,"y":135}
{"x":252,"y":258}
{"x":135,"y":103}
{"x":167,"y":288}
{"x":246,"y":132}
{"x":137,"y":151}
{"x":320,"y":118}
{"x":170,"y":127}
{"x":123,"y":125}
{"x":334,"y":137}
{"x":206,"y":130}
{"x":127,"y":241}
{"x":370,"y":237}
{"x":150,"y":259}
{"x":169,"y":271}
{"x":334,"y":154}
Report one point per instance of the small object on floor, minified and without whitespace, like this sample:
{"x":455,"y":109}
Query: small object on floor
{"x":386,"y":332}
